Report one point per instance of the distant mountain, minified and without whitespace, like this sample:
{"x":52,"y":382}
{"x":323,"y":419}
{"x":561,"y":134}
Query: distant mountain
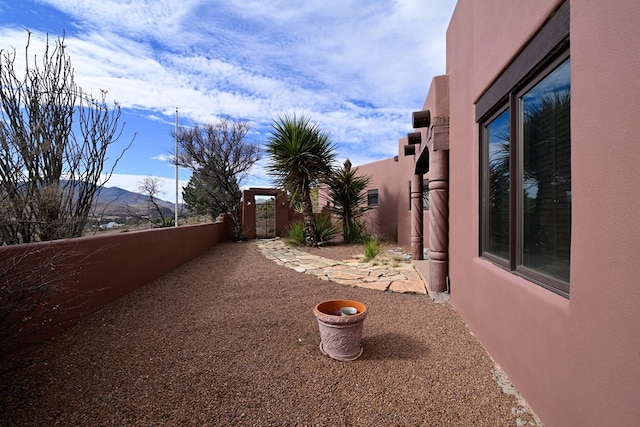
{"x":121,"y":196}
{"x":117,"y":202}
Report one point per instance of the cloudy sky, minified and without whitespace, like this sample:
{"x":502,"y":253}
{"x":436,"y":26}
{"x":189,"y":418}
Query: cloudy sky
{"x":358,"y":68}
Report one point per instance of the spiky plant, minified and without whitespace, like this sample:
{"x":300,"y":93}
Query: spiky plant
{"x":300,"y":155}
{"x":347,"y":191}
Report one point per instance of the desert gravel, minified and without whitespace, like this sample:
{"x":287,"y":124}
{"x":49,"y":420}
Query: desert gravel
{"x":230,"y":339}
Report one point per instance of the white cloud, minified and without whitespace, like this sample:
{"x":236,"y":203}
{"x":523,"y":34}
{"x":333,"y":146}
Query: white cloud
{"x":132,"y":183}
{"x":163,"y":157}
{"x":357,"y":67}
{"x":132,"y":17}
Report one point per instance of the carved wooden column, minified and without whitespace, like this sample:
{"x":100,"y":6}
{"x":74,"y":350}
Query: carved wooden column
{"x":439,"y":206}
{"x":417,"y":244}
{"x":433,"y":159}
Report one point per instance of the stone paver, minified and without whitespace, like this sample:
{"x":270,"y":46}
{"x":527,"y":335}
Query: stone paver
{"x":398,"y":277}
{"x":378,"y":286}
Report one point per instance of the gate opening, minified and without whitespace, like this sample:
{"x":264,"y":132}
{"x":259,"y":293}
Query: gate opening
{"x":265,"y":217}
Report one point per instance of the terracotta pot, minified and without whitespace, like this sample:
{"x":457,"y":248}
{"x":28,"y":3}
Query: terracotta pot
{"x":340,"y":333}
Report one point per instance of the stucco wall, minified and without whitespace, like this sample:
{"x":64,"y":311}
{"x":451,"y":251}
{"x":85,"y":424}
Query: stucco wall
{"x":392,"y":215}
{"x":576,"y":360}
{"x":106,"y":267}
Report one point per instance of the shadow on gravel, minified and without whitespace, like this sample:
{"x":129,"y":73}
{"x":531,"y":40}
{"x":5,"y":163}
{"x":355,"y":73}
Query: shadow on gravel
{"x":393,"y":346}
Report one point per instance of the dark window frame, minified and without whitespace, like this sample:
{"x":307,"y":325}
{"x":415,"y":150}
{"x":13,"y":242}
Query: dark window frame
{"x":484,"y":191}
{"x":371,"y":194}
{"x":548,"y":49}
{"x":546,"y":281}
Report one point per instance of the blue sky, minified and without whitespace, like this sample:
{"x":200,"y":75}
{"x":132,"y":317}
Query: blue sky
{"x":358,"y":68}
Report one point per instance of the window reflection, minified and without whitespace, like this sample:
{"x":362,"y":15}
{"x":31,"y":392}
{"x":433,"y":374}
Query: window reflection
{"x":497,"y":136}
{"x":546,"y":174}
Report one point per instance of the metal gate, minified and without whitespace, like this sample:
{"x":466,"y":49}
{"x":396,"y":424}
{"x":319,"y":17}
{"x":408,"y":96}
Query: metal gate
{"x":265,"y":217}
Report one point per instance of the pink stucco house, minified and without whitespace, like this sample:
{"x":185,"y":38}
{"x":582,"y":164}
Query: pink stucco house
{"x":529,"y":152}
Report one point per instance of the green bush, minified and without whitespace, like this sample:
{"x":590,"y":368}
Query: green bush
{"x":347,"y":192}
{"x":165,"y":222}
{"x":295,"y":233}
{"x":325,"y":228}
{"x":372,"y":247}
{"x":355,"y":232}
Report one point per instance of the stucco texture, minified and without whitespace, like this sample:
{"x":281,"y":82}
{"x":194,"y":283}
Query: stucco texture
{"x":575,"y":360}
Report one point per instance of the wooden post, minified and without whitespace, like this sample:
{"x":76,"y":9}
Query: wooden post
{"x":439,"y":218}
{"x":417,"y":244}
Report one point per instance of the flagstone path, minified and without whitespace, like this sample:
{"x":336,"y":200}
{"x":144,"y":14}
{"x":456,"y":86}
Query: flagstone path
{"x":389,"y":273}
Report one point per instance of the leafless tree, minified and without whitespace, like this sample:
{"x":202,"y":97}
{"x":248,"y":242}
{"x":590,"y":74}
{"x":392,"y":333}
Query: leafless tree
{"x":54,"y":140}
{"x":150,"y":187}
{"x":221,"y":158}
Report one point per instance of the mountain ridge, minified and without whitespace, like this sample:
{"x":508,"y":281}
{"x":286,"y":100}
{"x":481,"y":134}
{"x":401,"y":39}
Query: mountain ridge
{"x":118,"y":202}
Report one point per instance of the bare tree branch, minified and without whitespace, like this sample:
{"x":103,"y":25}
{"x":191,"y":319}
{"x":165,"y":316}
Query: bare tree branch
{"x":221,"y":159}
{"x":31,"y":281}
{"x":150,"y":187}
{"x":54,"y":140}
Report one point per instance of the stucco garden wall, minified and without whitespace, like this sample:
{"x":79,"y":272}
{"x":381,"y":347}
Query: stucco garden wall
{"x":104,"y":268}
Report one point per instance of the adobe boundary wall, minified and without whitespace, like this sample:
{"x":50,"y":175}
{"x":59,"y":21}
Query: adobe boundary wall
{"x":103,"y":268}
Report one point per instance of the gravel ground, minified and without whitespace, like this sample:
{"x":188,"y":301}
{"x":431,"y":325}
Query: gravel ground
{"x":230,"y":339}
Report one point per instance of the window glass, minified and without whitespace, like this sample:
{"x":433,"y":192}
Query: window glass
{"x":372,"y":197}
{"x":546,"y":174}
{"x":425,"y":194}
{"x":497,"y":208}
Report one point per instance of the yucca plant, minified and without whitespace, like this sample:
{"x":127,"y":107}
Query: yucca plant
{"x":300,"y":155}
{"x":325,"y":229}
{"x":347,"y":191}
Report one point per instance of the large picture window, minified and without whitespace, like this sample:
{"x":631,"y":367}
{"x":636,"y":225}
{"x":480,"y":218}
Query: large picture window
{"x":525,"y":136}
{"x":544,"y":126}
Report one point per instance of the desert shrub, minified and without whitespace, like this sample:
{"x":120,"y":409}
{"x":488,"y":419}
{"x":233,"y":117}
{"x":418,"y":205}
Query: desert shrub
{"x":372,"y":247}
{"x":165,"y":222}
{"x":295,"y":233}
{"x":347,"y":191}
{"x":358,"y":232}
{"x":37,"y":283}
{"x":325,"y":228}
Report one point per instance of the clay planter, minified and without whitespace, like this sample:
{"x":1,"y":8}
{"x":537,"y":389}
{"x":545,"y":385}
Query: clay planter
{"x":340,"y":333}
